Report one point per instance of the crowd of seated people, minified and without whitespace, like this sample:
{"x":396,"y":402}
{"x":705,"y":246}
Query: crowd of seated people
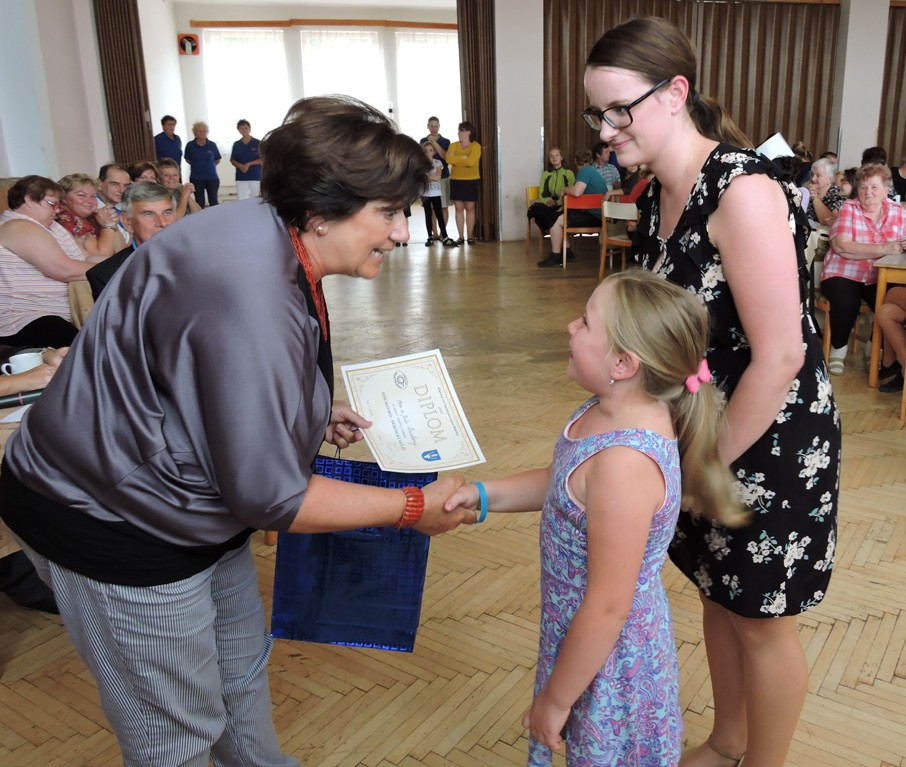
{"x":53,"y":233}
{"x":38,"y":259}
{"x":597,"y":172}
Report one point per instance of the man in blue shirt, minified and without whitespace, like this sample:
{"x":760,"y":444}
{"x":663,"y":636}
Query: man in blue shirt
{"x":167,"y":143}
{"x":588,"y":181}
{"x":246,"y":159}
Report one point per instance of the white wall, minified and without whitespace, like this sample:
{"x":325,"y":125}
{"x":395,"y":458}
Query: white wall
{"x":859,"y":77}
{"x":162,"y":66}
{"x":52,"y":114}
{"x":519,"y":29}
{"x":24,"y":103}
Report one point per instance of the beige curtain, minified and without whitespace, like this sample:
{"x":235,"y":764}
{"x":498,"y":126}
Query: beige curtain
{"x":770,"y":64}
{"x":478,"y":74}
{"x":125,"y":87}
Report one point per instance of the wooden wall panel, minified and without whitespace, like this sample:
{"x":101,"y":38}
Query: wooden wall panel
{"x":125,"y":87}
{"x":892,"y":122}
{"x":770,"y":64}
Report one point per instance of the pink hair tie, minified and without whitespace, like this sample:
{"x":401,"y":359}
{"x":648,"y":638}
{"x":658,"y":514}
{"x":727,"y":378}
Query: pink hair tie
{"x":694,"y":382}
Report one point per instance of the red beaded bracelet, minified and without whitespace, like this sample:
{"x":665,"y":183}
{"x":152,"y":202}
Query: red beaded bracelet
{"x":415,"y":507}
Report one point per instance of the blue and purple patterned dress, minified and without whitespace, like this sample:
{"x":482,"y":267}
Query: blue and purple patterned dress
{"x":630,"y":713}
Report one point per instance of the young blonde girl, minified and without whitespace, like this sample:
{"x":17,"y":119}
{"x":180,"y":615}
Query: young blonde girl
{"x":607,"y":670}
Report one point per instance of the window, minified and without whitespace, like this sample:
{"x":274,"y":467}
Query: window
{"x":427,"y":81}
{"x":245,"y":77}
{"x":344,"y":61}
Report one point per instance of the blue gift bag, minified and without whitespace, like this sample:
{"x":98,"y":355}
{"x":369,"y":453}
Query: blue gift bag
{"x":359,"y":587}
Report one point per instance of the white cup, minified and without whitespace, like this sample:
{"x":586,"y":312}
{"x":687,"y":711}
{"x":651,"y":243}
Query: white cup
{"x":19,"y":363}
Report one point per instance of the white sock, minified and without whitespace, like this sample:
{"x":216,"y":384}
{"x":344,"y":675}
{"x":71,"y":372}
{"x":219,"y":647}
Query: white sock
{"x":838,"y":353}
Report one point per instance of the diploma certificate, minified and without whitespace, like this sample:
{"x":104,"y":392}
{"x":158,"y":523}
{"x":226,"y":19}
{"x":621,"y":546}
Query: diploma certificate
{"x":417,"y":421}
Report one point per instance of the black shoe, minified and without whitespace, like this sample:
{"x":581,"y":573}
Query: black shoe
{"x":470,"y":241}
{"x":460,"y":241}
{"x":570,"y":256}
{"x":894,"y":385}
{"x":888,"y":371}
{"x":448,"y":242}
{"x":429,"y":241}
{"x":551,"y":260}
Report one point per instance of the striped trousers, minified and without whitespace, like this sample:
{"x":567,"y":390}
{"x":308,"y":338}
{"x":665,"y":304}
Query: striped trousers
{"x":181,"y":668}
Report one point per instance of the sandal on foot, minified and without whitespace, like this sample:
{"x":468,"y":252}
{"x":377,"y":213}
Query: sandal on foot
{"x":836,"y":365}
{"x":737,"y":760}
{"x":709,"y":750}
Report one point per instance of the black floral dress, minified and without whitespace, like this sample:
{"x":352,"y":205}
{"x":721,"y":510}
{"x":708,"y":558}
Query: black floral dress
{"x":780,"y":563}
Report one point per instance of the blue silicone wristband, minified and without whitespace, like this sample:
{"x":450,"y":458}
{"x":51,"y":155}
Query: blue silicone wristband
{"x":483,"y":499}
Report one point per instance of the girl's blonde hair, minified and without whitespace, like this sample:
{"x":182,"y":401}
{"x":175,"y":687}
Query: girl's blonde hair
{"x":666,"y":327}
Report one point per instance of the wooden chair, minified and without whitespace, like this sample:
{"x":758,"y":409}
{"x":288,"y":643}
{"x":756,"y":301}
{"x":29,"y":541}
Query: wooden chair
{"x":823,"y":305}
{"x":532,"y":194}
{"x":583,"y":202}
{"x":615,"y":211}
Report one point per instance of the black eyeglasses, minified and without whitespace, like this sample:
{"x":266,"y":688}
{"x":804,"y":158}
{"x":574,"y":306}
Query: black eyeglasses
{"x":618,"y":116}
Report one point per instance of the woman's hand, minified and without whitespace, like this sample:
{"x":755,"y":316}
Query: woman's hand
{"x":107,"y":216}
{"x":545,"y":721}
{"x":435,"y":519}
{"x":344,"y":427}
{"x":53,"y":357}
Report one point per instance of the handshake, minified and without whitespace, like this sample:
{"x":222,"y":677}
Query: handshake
{"x":449,"y":503}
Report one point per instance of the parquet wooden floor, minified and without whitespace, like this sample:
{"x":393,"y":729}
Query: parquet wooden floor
{"x":457,"y":700}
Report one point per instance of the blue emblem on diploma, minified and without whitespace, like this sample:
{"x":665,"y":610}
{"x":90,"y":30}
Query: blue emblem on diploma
{"x":430,"y":455}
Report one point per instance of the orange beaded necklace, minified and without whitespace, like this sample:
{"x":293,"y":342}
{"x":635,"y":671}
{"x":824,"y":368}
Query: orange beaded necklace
{"x":317,"y":292}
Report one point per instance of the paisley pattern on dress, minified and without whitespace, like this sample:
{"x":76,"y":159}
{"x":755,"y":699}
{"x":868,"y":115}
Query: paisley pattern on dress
{"x":780,"y":563}
{"x":630,"y":714}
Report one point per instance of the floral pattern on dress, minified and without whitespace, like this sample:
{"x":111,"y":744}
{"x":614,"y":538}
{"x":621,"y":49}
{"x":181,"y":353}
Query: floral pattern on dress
{"x":789,"y":478}
{"x":630,"y":714}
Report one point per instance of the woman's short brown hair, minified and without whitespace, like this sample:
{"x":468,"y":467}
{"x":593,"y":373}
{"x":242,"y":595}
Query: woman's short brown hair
{"x":873,"y":169}
{"x":35,"y":188}
{"x":334,"y":154}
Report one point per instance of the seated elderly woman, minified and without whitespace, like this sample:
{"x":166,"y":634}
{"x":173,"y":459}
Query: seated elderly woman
{"x":868,"y":227}
{"x":38,"y":257}
{"x":94,"y":228}
{"x":826,"y":199}
{"x":553,"y":181}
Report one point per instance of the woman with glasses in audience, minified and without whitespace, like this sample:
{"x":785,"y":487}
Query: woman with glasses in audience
{"x":38,"y":258}
{"x":95,"y":228}
{"x":716,"y":220}
{"x":204,"y":390}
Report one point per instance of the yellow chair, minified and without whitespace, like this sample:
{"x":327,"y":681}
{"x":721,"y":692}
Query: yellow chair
{"x":583,"y":202}
{"x":615,"y":211}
